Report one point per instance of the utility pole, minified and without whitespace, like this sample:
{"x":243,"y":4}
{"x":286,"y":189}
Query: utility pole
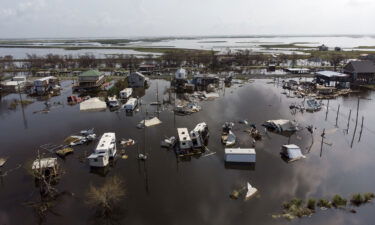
{"x":327,"y":109}
{"x":337,"y":116}
{"x":347,"y":128}
{"x":321,"y":144}
{"x":356,"y":123}
{"x":360,"y":133}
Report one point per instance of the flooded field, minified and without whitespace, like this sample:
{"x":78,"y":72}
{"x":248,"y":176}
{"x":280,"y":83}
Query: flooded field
{"x":164,"y":190}
{"x":221,"y":44}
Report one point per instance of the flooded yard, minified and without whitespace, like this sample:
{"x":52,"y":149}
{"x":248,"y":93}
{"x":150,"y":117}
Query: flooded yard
{"x":165,"y":190}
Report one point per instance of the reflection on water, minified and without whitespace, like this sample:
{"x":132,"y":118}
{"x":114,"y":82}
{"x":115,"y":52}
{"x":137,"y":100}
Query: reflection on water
{"x":164,"y":190}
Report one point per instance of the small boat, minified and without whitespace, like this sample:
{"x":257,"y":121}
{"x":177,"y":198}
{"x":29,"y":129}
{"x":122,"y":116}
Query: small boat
{"x":87,"y":132}
{"x":76,"y":140}
{"x":128,"y":142}
{"x":65,"y":151}
{"x":313,"y":105}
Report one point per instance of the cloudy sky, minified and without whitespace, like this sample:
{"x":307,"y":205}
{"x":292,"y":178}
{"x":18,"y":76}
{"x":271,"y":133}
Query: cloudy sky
{"x":132,"y":18}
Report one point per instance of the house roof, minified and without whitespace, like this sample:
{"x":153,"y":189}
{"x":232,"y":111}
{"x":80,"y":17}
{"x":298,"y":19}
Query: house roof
{"x":360,"y":67}
{"x":330,"y":74}
{"x":90,"y":73}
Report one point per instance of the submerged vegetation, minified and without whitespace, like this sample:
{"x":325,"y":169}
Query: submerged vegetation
{"x":296,"y":208}
{"x":13,"y":105}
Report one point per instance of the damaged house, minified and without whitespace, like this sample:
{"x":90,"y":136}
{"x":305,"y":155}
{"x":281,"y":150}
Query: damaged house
{"x":136,"y":79}
{"x":201,"y":81}
{"x":361,"y":71}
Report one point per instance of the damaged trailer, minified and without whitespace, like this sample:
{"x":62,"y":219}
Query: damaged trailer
{"x":281,"y":125}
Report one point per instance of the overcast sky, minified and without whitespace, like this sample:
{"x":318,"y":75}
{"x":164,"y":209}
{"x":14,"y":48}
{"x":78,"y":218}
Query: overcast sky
{"x":131,"y":18}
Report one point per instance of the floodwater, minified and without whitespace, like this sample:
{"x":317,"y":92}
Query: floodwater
{"x":168,"y":191}
{"x":222,"y":44}
{"x":21,"y":53}
{"x":254,"y":42}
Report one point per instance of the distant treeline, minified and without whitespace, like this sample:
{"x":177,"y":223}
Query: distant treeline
{"x":210,"y":61}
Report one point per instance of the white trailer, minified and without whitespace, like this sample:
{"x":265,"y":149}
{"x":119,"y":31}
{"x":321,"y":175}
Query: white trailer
{"x":131,"y":104}
{"x":98,"y":160}
{"x":105,"y":150}
{"x":184,"y":138}
{"x":240,"y":155}
{"x":199,"y":135}
{"x":126,"y":93}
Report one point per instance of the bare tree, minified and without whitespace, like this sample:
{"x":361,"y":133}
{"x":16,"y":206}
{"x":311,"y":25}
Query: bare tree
{"x":105,"y":198}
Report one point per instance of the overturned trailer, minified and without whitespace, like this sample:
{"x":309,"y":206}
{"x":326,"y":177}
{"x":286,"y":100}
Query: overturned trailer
{"x":193,"y":142}
{"x":281,"y":125}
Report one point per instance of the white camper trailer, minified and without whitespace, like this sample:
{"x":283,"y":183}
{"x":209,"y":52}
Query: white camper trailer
{"x":131,"y":104}
{"x":126,"y":93}
{"x":105,"y":150}
{"x":199,"y":134}
{"x":240,"y":155}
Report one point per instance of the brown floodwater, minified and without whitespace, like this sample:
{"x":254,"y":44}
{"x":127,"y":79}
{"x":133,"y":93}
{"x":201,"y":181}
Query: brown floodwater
{"x":165,"y":190}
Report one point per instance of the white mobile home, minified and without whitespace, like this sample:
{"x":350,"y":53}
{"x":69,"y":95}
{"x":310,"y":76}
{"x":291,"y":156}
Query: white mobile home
{"x":240,"y":155}
{"x":126,"y":93}
{"x":131,"y":104}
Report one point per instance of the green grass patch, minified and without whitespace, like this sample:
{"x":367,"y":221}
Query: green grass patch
{"x":338,"y":201}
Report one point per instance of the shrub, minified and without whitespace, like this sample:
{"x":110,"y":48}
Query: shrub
{"x":338,"y":201}
{"x":357,"y":199}
{"x":311,"y":204}
{"x":297,"y":202}
{"x":324,"y":203}
{"x":368,"y":196}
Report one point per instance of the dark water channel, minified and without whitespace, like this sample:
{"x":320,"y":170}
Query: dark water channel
{"x":168,"y":191}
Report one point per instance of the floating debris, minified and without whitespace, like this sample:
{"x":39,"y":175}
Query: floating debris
{"x":142,"y":157}
{"x":292,"y":152}
{"x":92,"y":104}
{"x":148,"y":123}
{"x":169,"y":142}
{"x":65,"y":151}
{"x":229,"y":139}
{"x":313,"y":105}
{"x":251,"y":191}
{"x":281,"y":125}
{"x":127,"y":142}
{"x":243,"y":122}
{"x":3,"y":161}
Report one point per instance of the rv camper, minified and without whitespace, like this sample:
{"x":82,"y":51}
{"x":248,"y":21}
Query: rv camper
{"x":199,"y":135}
{"x":131,"y":104}
{"x":105,"y":150}
{"x":126,"y":93}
